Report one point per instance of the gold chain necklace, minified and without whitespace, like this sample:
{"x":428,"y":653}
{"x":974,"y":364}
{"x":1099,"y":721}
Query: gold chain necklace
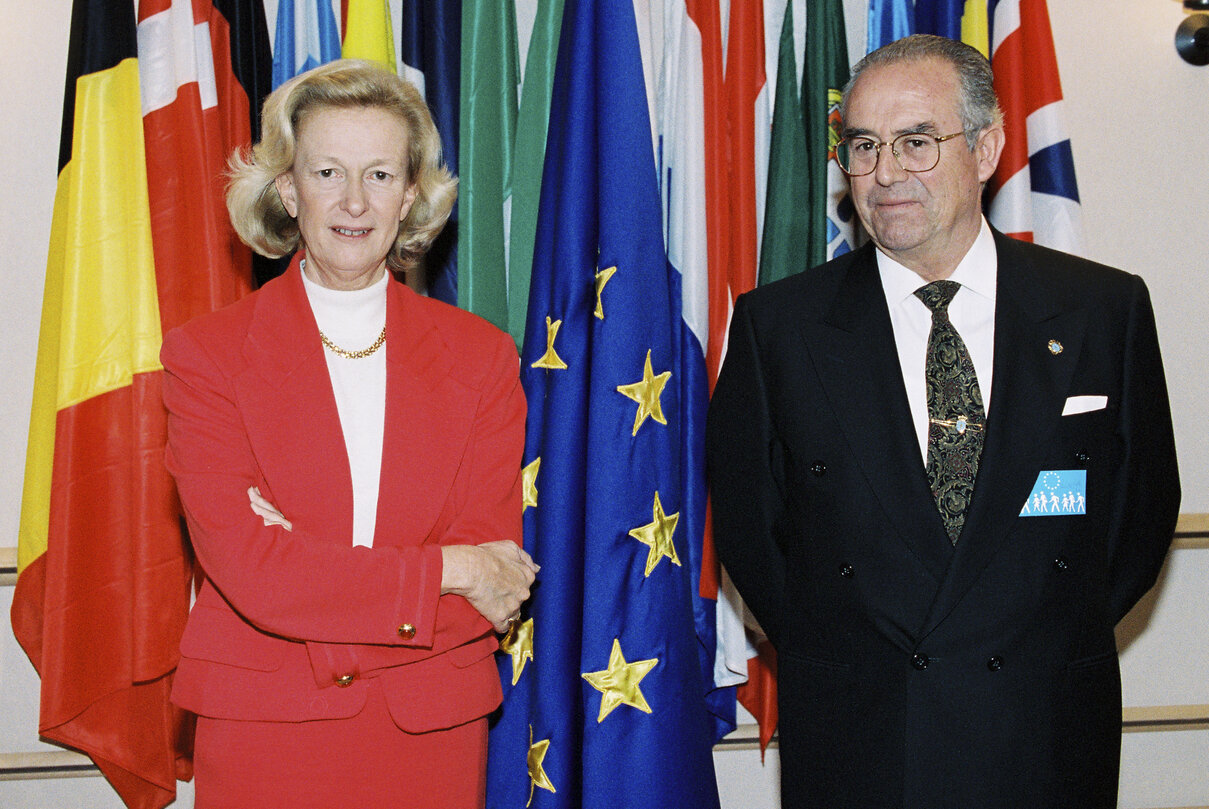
{"x":353,"y":355}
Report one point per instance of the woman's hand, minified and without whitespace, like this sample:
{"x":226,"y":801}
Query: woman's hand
{"x":494,"y":577}
{"x":267,"y":511}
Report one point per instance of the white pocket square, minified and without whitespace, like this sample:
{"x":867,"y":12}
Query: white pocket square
{"x":1084,"y":404}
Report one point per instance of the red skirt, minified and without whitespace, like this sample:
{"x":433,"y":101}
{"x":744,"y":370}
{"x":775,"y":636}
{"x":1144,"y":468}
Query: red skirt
{"x":362,"y":762}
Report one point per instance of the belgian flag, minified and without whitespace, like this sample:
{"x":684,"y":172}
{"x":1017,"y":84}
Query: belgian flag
{"x":103,"y":569}
{"x":102,"y":574}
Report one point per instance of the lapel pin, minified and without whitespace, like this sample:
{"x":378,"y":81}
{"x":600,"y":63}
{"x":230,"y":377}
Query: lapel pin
{"x":1055,"y":347}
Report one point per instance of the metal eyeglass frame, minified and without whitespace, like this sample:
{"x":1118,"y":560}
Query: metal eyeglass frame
{"x":878,"y":144}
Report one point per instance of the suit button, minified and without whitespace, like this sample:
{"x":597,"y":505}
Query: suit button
{"x":818,"y":468}
{"x":919,"y":661}
{"x":1081,"y":457}
{"x":345,"y":680}
{"x":407,"y":631}
{"x":846,"y":571}
{"x":1060,"y":564}
{"x":995,"y":663}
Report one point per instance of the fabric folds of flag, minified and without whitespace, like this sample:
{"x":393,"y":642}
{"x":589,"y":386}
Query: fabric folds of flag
{"x":195,"y":112}
{"x":369,"y":34}
{"x":102,"y":588}
{"x":965,"y":20}
{"x":786,"y":220}
{"x":888,"y":20}
{"x":695,"y":182}
{"x":247,"y":76}
{"x":251,"y":61}
{"x":682,"y":184}
{"x":488,"y":132}
{"x":430,"y":49}
{"x":748,"y":127}
{"x":833,"y":220}
{"x":604,"y":702}
{"x":528,"y":155}
{"x":1033,"y":194}
{"x":306,"y":38}
{"x":975,"y":29}
{"x":748,"y":123}
{"x":939,"y":17}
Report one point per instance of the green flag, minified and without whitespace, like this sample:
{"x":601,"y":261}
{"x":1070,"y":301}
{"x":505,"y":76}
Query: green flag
{"x":786,"y":217}
{"x":486,"y":136}
{"x":825,"y":76}
{"x":529,"y":157}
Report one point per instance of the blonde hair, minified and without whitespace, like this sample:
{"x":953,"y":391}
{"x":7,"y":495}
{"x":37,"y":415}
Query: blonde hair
{"x":257,"y":213}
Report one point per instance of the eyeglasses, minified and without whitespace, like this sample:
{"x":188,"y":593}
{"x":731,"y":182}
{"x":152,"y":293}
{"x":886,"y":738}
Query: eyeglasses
{"x":914,"y":151}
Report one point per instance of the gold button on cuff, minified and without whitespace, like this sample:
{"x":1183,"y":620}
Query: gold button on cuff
{"x":407,"y":631}
{"x":345,"y":680}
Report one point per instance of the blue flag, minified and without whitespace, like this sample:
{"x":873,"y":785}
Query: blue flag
{"x":431,"y":50}
{"x":940,"y":17}
{"x":604,"y":692}
{"x":306,"y":38}
{"x":889,"y":20}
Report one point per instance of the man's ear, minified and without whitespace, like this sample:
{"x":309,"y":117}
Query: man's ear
{"x":989,"y":149}
{"x":287,"y":192}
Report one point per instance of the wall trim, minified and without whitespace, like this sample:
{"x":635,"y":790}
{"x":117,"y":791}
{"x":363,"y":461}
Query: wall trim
{"x":1164,"y":717}
{"x":47,"y":764}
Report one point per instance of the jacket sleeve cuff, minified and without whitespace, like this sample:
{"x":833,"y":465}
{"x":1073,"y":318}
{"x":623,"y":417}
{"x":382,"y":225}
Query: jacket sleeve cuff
{"x":419,"y":590}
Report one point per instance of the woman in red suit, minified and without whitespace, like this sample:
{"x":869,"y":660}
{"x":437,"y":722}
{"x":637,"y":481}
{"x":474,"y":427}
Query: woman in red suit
{"x":348,"y":457}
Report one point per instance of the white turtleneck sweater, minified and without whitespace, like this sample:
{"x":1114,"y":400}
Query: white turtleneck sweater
{"x":353,"y":320}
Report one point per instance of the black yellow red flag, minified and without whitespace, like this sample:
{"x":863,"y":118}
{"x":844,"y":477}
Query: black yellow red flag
{"x":150,"y":114}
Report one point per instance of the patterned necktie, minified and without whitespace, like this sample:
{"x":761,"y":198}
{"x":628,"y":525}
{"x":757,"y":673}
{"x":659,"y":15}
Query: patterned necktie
{"x":956,"y":418}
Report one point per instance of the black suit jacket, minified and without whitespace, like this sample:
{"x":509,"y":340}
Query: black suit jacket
{"x":914,"y":673}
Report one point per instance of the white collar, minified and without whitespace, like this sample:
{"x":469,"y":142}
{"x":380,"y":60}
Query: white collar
{"x":977,"y":270}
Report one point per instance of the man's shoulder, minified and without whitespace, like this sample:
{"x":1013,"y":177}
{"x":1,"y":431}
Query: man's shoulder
{"x":1064,"y":275}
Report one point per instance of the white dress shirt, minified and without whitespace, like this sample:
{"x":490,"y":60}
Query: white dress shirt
{"x":972,"y":313}
{"x":352,"y":320}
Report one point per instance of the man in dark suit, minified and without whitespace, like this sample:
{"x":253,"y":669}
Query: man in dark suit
{"x":942,"y":470}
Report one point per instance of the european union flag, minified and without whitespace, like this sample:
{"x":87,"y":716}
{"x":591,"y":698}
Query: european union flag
{"x":604,"y":690}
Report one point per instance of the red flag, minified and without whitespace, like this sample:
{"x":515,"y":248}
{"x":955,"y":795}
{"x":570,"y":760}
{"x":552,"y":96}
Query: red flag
{"x":194,"y":114}
{"x":745,"y":89}
{"x":705,"y":15}
{"x":747,"y":119}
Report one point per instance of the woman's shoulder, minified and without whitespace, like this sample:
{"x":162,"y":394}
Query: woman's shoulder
{"x":221,"y":332}
{"x":218,"y":327}
{"x":464,"y":333}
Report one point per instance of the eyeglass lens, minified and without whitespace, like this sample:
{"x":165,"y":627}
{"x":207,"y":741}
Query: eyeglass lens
{"x":914,"y":152}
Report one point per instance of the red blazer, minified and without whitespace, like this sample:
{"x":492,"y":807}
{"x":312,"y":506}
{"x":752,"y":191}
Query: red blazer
{"x":289,"y":625}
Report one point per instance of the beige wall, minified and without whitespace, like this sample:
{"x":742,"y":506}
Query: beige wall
{"x":1140,"y":126}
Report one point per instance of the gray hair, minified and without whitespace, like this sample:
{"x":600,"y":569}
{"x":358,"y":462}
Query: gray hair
{"x":976,"y":102}
{"x":257,"y":213}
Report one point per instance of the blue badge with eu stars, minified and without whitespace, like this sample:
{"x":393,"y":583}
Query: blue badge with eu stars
{"x":1057,"y":493}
